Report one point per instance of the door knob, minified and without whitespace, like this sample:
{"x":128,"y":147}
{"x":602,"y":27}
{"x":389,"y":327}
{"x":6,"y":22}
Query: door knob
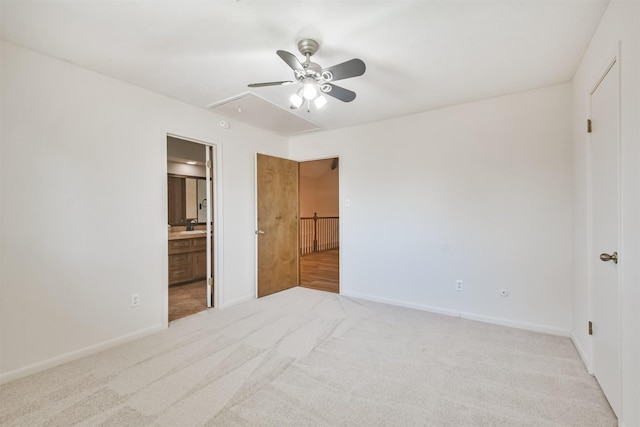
{"x":606,"y":257}
{"x":260,"y":232}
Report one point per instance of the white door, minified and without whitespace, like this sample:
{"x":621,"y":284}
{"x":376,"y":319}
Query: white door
{"x":604,"y":232}
{"x":208,"y":206}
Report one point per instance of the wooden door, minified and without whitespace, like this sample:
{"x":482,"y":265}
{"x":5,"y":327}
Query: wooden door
{"x":176,"y":200}
{"x":604,"y":232}
{"x":277,"y":232}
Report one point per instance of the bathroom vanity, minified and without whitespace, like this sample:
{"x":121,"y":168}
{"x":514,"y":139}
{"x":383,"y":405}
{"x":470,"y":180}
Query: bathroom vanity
{"x":187,"y":257}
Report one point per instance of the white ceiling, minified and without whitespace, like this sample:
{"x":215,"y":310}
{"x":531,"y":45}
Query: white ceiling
{"x":420,"y":55}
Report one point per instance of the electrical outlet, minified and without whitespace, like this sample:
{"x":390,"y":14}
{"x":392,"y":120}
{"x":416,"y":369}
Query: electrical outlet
{"x":459,"y":285}
{"x":135,"y":300}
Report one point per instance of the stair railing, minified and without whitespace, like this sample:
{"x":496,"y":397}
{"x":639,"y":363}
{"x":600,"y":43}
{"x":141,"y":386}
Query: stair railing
{"x":319,"y":233}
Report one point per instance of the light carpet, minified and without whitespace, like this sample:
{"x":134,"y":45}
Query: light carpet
{"x":310,"y":358}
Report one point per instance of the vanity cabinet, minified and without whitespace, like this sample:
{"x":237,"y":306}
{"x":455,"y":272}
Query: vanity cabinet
{"x":187,"y":260}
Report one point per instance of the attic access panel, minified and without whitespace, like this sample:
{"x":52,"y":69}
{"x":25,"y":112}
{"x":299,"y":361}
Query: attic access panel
{"x":253,"y":110}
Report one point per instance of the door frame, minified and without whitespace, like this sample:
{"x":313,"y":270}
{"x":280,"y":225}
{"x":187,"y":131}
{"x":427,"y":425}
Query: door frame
{"x":612,"y":60}
{"x":310,"y":159}
{"x":340,"y":212}
{"x":217,"y":262}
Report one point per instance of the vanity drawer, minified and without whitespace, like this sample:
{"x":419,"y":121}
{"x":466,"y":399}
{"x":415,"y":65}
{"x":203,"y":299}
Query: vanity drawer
{"x":179,"y":259}
{"x":180,"y":274}
{"x":177,"y":246}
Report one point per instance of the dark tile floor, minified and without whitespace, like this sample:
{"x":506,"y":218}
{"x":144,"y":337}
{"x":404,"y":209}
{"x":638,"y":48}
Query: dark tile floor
{"x":188,"y":299}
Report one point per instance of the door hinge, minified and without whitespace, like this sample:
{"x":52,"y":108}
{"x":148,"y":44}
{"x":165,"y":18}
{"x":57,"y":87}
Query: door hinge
{"x":209,"y":164}
{"x":590,"y":327}
{"x":588,"y":125}
{"x":210,"y":281}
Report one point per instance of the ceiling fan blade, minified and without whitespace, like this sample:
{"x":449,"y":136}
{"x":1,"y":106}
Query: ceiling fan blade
{"x":291,"y":60}
{"x":338,"y":92}
{"x":271,"y":84}
{"x":345,"y":70}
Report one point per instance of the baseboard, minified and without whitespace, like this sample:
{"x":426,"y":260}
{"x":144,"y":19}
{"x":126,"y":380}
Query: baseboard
{"x":228,"y":304}
{"x":470,"y":316}
{"x":535,"y":327}
{"x":581,"y":352}
{"x":400,"y":303}
{"x":74,"y":355}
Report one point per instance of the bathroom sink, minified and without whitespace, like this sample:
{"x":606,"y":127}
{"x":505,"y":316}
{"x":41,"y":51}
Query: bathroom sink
{"x":194,"y":232}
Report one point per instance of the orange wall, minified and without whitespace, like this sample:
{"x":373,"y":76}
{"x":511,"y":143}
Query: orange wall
{"x":319,"y":194}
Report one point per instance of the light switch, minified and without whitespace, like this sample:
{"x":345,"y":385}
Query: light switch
{"x":347,"y":203}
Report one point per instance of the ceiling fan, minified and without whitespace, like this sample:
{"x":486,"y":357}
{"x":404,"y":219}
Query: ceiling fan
{"x":314,"y":79}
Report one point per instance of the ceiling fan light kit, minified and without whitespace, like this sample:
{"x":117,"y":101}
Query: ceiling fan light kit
{"x":315,"y":80}
{"x":297,"y":99}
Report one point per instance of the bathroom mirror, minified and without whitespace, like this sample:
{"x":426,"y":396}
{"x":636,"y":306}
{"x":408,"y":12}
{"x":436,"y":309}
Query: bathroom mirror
{"x":187,"y":199}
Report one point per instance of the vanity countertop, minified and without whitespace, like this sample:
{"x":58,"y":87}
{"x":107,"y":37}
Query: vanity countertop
{"x":180,"y":236}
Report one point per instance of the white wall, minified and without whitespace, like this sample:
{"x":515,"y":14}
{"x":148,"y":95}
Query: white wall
{"x":89,"y":153}
{"x":620,"y":23}
{"x":479,"y":192}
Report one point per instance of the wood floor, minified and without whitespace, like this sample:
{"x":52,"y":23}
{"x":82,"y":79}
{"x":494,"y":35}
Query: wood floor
{"x":321,"y":271}
{"x":318,"y":270}
{"x":185,"y":300}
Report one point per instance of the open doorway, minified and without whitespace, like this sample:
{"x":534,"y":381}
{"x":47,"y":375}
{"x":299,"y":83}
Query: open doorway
{"x":319,"y":229}
{"x":190,"y":223}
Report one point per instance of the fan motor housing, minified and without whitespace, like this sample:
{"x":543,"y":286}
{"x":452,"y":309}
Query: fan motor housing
{"x":312,"y":68}
{"x":308,"y":46}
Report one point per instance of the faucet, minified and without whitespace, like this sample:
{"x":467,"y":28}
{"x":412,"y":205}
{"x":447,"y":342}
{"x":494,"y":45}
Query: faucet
{"x":190,"y":223}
